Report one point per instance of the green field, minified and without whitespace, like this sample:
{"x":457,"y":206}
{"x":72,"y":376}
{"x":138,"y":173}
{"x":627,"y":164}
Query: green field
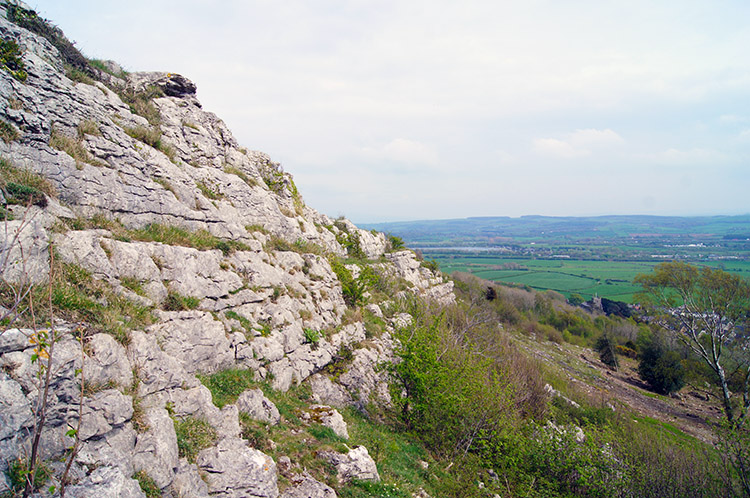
{"x":610,"y":279}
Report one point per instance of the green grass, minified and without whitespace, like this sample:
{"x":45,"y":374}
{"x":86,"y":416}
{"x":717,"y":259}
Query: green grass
{"x":177,"y":302}
{"x":227,"y":385}
{"x":73,"y":147}
{"x":193,"y":435}
{"x":8,"y":132}
{"x":610,"y":279}
{"x":147,"y":484}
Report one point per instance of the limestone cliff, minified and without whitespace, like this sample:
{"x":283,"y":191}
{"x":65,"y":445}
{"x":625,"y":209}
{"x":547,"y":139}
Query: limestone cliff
{"x":153,"y":200}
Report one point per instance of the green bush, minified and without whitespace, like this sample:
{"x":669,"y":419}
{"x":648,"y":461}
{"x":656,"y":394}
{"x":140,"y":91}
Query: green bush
{"x":10,"y":59}
{"x":605,"y":346}
{"x":352,"y":289}
{"x":661,"y":368}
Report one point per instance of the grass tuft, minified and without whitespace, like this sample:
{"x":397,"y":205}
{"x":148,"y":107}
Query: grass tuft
{"x":193,"y":435}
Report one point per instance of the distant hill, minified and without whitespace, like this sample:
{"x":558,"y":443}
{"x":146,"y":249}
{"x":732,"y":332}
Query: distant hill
{"x":489,"y":231}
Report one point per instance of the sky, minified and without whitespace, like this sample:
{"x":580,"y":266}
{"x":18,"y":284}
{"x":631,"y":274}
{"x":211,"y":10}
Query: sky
{"x":388,"y":110}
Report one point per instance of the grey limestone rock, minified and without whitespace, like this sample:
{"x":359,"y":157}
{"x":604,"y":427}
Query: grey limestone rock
{"x":107,"y":362}
{"x":106,"y":482}
{"x":233,"y":469}
{"x":156,"y":449}
{"x":15,"y":419}
{"x":254,"y":403}
{"x":187,"y":481}
{"x":113,"y":449}
{"x":195,"y":339}
{"x":24,"y":258}
{"x":324,"y":390}
{"x":328,"y":417}
{"x":104,"y":411}
{"x":156,"y":370}
{"x":357,"y":464}
{"x":14,"y":340}
{"x":307,"y":487}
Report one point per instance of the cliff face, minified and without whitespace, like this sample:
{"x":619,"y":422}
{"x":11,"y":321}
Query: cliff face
{"x":158,"y":206}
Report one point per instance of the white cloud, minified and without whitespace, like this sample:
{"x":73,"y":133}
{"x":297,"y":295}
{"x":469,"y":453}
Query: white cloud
{"x":580,"y":143}
{"x":558,"y":148}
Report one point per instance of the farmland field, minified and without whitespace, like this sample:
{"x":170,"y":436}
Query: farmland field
{"x":610,"y":279}
{"x":593,"y":256}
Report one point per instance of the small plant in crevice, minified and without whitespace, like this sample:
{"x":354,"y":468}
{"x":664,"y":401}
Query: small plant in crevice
{"x":177,"y":302}
{"x":147,"y":484}
{"x":19,"y":474}
{"x":245,"y":323}
{"x":8,"y":132}
{"x":209,"y":191}
{"x":264,"y":328}
{"x":312,"y":337}
{"x":193,"y":435}
{"x":73,"y":147}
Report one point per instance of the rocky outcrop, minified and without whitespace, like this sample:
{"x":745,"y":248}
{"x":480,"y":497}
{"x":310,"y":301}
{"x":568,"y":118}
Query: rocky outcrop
{"x":159,"y":204}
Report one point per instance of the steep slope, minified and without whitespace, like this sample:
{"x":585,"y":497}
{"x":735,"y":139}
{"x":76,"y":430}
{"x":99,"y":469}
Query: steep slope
{"x":206,"y":253}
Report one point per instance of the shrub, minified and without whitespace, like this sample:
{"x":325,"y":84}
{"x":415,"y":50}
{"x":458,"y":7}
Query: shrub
{"x":352,"y":289}
{"x":605,"y":346}
{"x":395,"y":243}
{"x":10,"y":59}
{"x":661,"y":368}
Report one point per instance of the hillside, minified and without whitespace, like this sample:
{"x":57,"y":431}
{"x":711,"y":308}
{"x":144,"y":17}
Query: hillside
{"x":176,"y":321}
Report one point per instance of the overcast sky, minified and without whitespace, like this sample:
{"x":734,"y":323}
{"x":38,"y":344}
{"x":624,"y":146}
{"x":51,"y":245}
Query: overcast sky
{"x":400,"y":109}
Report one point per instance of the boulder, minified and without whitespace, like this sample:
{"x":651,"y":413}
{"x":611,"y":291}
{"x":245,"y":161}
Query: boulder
{"x":106,"y":482}
{"x":307,"y":487}
{"x":235,"y":470}
{"x":355,"y":465}
{"x":254,"y":403}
